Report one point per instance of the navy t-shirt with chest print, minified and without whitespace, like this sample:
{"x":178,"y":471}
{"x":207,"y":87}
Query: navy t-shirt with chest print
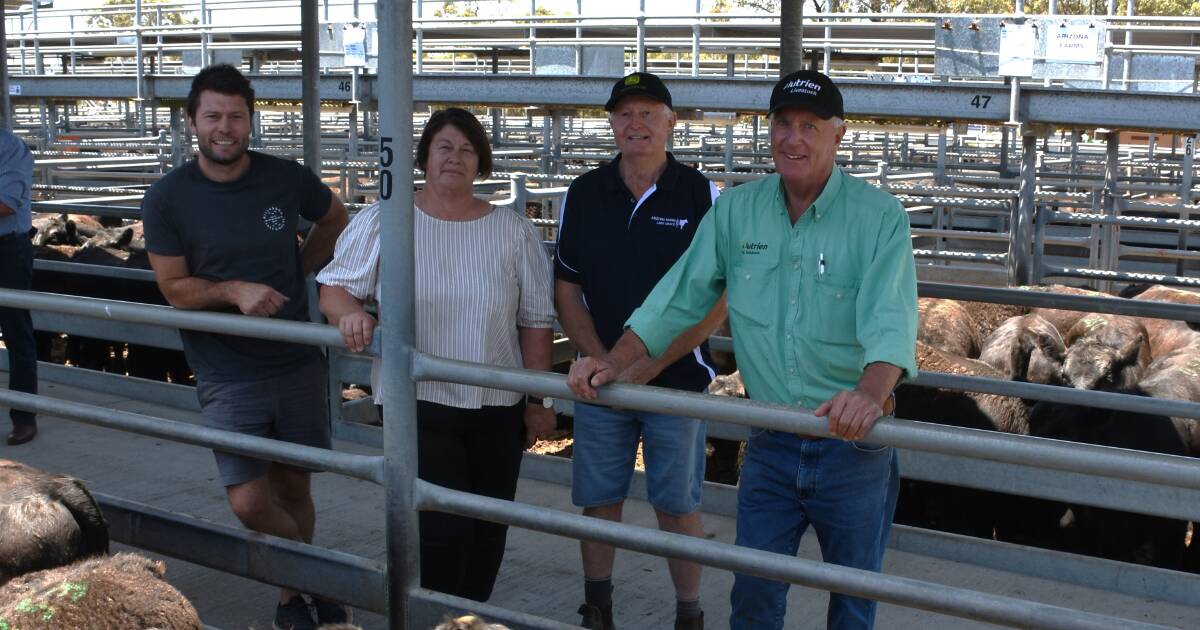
{"x":241,"y":230}
{"x":617,"y":247}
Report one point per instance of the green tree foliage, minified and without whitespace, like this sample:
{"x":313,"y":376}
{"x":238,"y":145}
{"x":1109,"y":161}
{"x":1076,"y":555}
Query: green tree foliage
{"x":150,"y":16}
{"x":947,"y":7}
{"x":1065,"y":7}
{"x":458,"y":9}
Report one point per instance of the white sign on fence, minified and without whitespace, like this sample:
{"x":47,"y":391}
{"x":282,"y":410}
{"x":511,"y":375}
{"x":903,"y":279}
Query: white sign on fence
{"x":1017,"y":45}
{"x":1072,"y":43}
{"x":14,"y":89}
{"x":354,"y":46}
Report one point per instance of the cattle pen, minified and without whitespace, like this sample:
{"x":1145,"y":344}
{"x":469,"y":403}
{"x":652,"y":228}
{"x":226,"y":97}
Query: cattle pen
{"x":1108,"y":211}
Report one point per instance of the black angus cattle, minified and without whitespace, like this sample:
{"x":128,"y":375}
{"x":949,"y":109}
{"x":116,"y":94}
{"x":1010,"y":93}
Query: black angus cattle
{"x":1109,"y":533}
{"x":85,"y":240}
{"x":46,"y":520}
{"x":1106,"y":352}
{"x":942,"y":506}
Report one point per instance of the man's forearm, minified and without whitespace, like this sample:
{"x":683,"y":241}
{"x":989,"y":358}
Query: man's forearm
{"x":878,"y":381}
{"x":576,"y":321}
{"x":628,"y":350}
{"x":193,"y":293}
{"x":535,"y":347}
{"x":694,"y":336}
{"x":336,"y":303}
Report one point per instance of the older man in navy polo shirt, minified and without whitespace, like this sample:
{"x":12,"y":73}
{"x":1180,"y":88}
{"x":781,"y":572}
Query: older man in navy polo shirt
{"x":16,"y":272}
{"x":623,"y":226}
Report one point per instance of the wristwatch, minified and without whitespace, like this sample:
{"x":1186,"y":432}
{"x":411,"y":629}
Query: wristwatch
{"x":530,"y":399}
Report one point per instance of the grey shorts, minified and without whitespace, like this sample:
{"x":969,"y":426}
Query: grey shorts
{"x":293,"y":407}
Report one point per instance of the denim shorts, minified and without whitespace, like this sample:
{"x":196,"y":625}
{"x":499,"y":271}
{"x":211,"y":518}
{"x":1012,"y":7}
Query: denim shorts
{"x":606,"y":443}
{"x":293,"y":408}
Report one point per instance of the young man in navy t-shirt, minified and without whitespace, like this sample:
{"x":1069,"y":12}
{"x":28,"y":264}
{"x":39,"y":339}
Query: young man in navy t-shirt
{"x":221,"y":232}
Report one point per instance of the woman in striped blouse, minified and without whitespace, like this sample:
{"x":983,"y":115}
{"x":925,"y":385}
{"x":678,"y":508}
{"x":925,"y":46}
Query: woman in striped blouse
{"x":483,"y":294}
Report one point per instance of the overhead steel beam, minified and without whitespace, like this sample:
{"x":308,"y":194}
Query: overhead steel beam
{"x":986,"y":102}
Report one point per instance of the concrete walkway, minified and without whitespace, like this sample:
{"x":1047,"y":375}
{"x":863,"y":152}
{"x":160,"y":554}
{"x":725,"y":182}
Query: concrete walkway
{"x":541,"y":573}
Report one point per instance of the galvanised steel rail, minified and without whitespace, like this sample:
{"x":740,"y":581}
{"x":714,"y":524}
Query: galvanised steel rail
{"x":1046,"y":299}
{"x":1168,"y":470}
{"x":365,"y":467}
{"x":864,"y":99}
{"x":906,"y":592}
{"x":99,"y":271}
{"x":1172,"y":471}
{"x":1132,"y":221}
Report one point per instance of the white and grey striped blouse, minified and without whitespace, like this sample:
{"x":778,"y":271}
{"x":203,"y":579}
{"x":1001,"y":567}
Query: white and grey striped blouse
{"x":476,"y":282}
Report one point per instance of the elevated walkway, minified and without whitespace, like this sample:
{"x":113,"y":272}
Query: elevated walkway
{"x":541,"y":574}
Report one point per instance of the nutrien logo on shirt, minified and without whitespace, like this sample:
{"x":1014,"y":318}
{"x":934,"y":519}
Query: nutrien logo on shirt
{"x":752,"y":248}
{"x":273,"y":218}
{"x":678,"y":224}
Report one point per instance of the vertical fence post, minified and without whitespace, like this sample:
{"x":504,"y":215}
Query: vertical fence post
{"x":397,"y":284}
{"x":641,"y":38}
{"x":520,"y":192}
{"x":310,"y":85}
{"x":1185,"y":197}
{"x":1020,"y":228}
{"x":1042,"y":220}
{"x":203,"y":33}
{"x":1110,"y":245}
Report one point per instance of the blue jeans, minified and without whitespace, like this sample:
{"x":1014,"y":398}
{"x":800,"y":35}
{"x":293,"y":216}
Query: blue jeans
{"x":606,"y":442}
{"x":845,"y":490}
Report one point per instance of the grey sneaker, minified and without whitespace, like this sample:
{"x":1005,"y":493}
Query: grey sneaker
{"x":330,"y":611}
{"x":294,"y":615}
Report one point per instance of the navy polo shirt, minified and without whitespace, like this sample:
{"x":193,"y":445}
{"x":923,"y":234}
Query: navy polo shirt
{"x":617,"y":247}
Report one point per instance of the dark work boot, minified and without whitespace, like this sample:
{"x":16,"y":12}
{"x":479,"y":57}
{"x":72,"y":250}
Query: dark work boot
{"x":596,"y":618}
{"x":690,"y":623}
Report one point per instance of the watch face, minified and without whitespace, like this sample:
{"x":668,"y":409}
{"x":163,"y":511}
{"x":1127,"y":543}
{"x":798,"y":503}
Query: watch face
{"x":548,"y":403}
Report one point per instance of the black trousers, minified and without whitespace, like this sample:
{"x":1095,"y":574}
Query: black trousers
{"x":16,"y":272}
{"x":477,"y":451}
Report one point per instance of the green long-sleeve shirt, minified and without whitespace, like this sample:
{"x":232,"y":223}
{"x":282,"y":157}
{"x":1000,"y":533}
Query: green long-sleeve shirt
{"x":810,"y":304}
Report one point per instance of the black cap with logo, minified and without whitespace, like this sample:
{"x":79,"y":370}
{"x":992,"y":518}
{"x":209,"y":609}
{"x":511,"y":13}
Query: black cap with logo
{"x":638,"y":84}
{"x":811,"y":90}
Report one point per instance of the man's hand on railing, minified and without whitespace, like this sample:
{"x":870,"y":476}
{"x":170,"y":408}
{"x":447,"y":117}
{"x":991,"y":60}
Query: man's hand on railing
{"x":357,"y":330}
{"x":851,"y":414}
{"x":589,"y":373}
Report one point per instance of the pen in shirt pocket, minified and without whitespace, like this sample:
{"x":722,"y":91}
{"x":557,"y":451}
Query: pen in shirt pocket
{"x":821,"y":264}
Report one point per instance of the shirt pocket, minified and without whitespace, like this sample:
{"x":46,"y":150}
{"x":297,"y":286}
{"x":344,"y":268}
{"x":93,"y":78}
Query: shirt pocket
{"x":751,"y":302}
{"x":837,"y":299}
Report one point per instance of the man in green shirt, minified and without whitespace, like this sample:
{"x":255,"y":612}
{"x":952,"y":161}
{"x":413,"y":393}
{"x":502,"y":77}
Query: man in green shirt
{"x":822,"y":300}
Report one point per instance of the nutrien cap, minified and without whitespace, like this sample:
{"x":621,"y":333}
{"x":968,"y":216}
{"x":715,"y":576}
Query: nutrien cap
{"x":638,"y":84}
{"x":810,"y":90}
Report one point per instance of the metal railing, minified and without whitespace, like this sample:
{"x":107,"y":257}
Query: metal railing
{"x":1161,"y":469}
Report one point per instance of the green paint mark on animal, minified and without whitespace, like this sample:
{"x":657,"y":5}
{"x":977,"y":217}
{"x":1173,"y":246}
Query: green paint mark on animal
{"x":1192,"y":368}
{"x":73,"y":590}
{"x":4,"y":625}
{"x":29,"y":607}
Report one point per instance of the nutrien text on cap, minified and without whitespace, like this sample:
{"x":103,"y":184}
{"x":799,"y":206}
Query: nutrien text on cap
{"x":809,"y":90}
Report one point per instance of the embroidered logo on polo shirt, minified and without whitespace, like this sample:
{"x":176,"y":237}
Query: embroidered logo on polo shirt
{"x":273,"y":219}
{"x":753,"y":248}
{"x":670,"y":222}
